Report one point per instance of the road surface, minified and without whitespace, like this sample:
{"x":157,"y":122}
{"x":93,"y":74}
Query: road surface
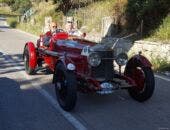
{"x":29,"y":102}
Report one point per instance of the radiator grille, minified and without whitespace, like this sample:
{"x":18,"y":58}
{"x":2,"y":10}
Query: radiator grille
{"x":105,"y":69}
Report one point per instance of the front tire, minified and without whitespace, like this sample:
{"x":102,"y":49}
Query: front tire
{"x":26,"y":56}
{"x":144,"y":78}
{"x":65,"y":87}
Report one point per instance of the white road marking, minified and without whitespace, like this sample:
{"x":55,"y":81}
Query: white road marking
{"x":75,"y":122}
{"x":68,"y":116}
{"x":161,"y":77}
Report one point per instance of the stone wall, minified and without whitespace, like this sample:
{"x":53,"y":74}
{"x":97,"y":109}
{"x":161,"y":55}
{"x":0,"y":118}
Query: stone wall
{"x":152,"y":50}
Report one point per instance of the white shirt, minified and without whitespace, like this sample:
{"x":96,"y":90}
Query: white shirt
{"x":75,"y":32}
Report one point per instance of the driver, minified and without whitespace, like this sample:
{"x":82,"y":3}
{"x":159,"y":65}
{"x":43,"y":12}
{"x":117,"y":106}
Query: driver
{"x":53,"y":30}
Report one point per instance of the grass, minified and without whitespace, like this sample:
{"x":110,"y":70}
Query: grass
{"x":160,"y":64}
{"x":12,"y":19}
{"x":6,"y":10}
{"x":162,"y":33}
{"x":91,"y":16}
{"x":28,"y":27}
{"x":12,"y":22}
{"x":43,"y":9}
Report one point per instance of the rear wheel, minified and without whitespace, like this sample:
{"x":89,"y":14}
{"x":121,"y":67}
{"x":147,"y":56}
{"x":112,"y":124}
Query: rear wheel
{"x":144,"y":78}
{"x":65,"y":87}
{"x":28,"y":69}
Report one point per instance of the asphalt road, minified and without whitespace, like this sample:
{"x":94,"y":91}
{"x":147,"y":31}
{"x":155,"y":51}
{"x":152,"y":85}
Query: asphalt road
{"x":29,"y":102}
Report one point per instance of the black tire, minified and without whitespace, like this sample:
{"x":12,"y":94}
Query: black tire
{"x":148,"y":88}
{"x":65,"y":87}
{"x":26,"y":57}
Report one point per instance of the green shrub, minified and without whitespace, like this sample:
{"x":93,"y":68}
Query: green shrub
{"x":18,"y":5}
{"x":5,"y":10}
{"x":21,"y":6}
{"x":163,"y":32}
{"x":92,"y":14}
{"x":160,"y":64}
{"x":152,"y":13}
{"x":12,"y":22}
{"x":8,"y":2}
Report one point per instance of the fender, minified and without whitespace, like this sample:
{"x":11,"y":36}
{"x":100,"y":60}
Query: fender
{"x":32,"y":54}
{"x":65,"y":61}
{"x":138,"y":60}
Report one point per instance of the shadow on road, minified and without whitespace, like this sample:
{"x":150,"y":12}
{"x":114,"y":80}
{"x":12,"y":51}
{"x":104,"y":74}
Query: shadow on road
{"x":1,"y":27}
{"x":117,"y":109}
{"x":22,"y":109}
{"x":7,"y":66}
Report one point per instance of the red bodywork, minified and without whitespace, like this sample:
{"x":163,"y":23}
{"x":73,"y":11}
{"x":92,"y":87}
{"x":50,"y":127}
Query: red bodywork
{"x":72,"y":54}
{"x":33,"y":55}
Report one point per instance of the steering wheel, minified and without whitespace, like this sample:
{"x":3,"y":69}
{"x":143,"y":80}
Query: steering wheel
{"x":59,"y":30}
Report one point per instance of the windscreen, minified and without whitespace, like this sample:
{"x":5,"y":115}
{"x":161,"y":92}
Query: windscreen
{"x":69,"y":43}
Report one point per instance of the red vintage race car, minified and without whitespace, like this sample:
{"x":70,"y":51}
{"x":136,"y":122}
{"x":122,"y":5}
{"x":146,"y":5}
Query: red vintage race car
{"x":81,"y":65}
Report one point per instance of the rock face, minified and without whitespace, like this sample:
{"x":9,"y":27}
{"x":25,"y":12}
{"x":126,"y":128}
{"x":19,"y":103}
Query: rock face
{"x":152,"y":50}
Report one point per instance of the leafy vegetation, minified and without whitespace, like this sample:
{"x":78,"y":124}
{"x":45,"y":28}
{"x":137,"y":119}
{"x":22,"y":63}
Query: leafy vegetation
{"x":43,"y":11}
{"x":12,"y":21}
{"x":8,"y":2}
{"x":163,"y":32}
{"x":5,"y":10}
{"x":66,"y":5}
{"x":91,"y":16}
{"x":129,"y":15}
{"x":151,"y":12}
{"x":19,"y":6}
{"x":160,"y":64}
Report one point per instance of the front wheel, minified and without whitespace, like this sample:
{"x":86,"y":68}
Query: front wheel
{"x":144,"y":78}
{"x":65,"y":87}
{"x":26,"y":56}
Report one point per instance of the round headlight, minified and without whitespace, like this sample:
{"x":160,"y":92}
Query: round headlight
{"x":122,"y":59}
{"x":94,"y":59}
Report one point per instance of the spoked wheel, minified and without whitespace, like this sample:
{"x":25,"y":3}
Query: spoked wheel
{"x":65,"y":87}
{"x":144,"y":78}
{"x":28,"y":69}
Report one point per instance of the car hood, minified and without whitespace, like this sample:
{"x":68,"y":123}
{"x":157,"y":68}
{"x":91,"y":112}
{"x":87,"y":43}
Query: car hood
{"x":102,"y":47}
{"x":110,"y":44}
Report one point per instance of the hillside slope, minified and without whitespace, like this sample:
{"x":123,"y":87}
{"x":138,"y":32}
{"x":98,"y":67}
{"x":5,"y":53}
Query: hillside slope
{"x":90,"y":16}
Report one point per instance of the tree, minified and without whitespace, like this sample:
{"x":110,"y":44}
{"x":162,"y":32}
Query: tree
{"x":8,"y":2}
{"x":21,"y":6}
{"x":18,"y":5}
{"x":151,"y":12}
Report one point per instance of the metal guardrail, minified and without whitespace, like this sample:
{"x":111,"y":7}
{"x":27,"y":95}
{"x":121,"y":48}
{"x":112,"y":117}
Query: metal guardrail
{"x":27,"y":14}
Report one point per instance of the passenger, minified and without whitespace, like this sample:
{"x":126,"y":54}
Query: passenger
{"x":70,"y":29}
